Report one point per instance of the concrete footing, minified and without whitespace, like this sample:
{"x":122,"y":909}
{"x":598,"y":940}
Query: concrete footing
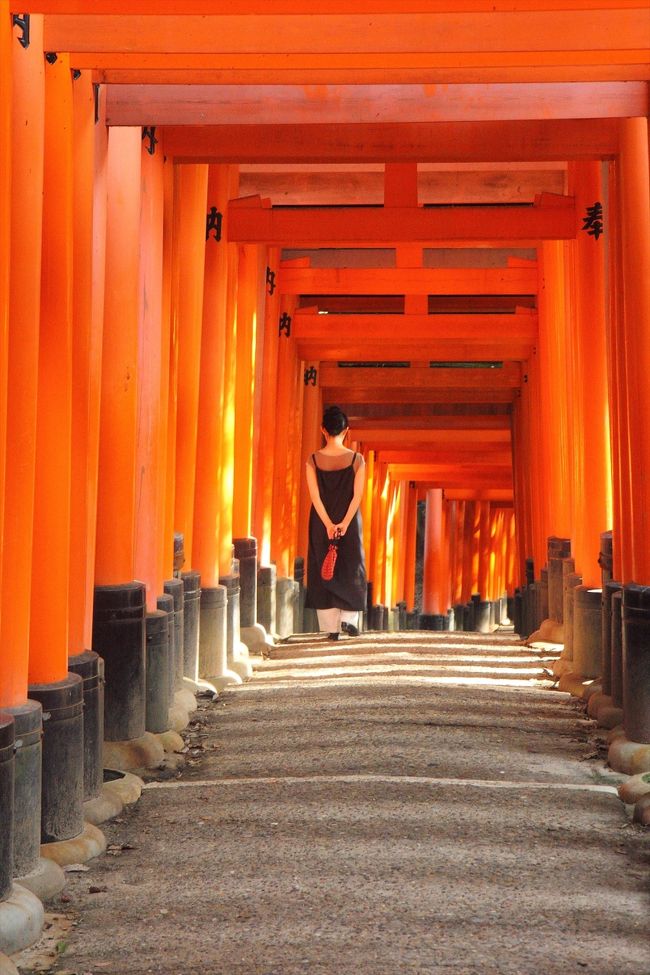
{"x":587,"y":631}
{"x":90,"y":843}
{"x":255,"y":638}
{"x":629,"y":757}
{"x":642,"y":811}
{"x":21,"y":920}
{"x":635,"y":788}
{"x":550,"y":631}
{"x":45,"y":880}
{"x":143,"y":752}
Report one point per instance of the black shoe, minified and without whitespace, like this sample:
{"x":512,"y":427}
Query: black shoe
{"x":350,"y":629}
{"x":332,"y":636}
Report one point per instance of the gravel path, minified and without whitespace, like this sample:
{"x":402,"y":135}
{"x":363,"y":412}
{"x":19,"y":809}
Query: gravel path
{"x":405,"y":803}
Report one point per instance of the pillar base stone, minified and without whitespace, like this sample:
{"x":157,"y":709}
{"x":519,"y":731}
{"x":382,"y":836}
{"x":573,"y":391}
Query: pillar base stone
{"x":124,"y":785}
{"x":578,"y":686}
{"x":185,"y":698}
{"x":642,"y":811}
{"x":610,"y":717}
{"x":21,"y":920}
{"x":45,"y":881}
{"x":550,"y":631}
{"x":143,"y":752}
{"x":227,"y":679}
{"x":171,"y":741}
{"x":89,"y":844}
{"x":198,"y":686}
{"x":7,"y":967}
{"x":635,"y":788}
{"x":256,"y":638}
{"x":630,"y":757}
{"x":178,"y":717}
{"x":241,"y":664}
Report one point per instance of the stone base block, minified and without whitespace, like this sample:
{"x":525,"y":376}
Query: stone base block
{"x":550,"y":631}
{"x":178,"y":717}
{"x":578,"y":686}
{"x":21,"y":920}
{"x":256,"y":638}
{"x":609,"y":717}
{"x":103,"y":807}
{"x":171,"y":741}
{"x":630,"y":757}
{"x":7,"y":967}
{"x":642,"y":811}
{"x":46,"y":880}
{"x":635,"y":788}
{"x":144,"y":752}
{"x":241,"y":664}
{"x":186,"y":698}
{"x":226,"y":679}
{"x":90,"y":843}
{"x":562,"y":666}
{"x":126,"y":786}
{"x":596,"y":701}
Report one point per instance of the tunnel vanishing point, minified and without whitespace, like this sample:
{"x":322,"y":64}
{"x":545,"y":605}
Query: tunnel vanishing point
{"x":216,"y":219}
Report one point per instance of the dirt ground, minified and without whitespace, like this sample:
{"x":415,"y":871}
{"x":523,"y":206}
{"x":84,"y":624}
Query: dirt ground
{"x":401,"y":803}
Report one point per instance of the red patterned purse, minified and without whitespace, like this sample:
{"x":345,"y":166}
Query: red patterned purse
{"x":329,"y":562}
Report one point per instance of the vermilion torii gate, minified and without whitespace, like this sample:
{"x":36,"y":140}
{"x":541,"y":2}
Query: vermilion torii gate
{"x":216,"y":219}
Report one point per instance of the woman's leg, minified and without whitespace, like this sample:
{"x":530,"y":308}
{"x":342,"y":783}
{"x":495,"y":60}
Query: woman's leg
{"x":329,"y":620}
{"x":350,"y":622}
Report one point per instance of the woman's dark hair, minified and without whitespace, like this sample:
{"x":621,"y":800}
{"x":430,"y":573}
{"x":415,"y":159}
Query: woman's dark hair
{"x":334,"y":420}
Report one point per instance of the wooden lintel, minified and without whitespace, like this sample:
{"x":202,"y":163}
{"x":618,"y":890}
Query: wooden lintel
{"x":428,"y":394}
{"x":476,"y":459}
{"x":507,"y":376}
{"x":408,"y":281}
{"x":442,"y":142}
{"x":311,"y":226}
{"x":466,"y":437}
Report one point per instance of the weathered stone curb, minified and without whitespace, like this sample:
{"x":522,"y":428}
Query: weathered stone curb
{"x":45,"y":881}
{"x":7,"y":967}
{"x":115,"y":795}
{"x":144,"y":752}
{"x":90,"y":843}
{"x":21,"y":920}
{"x":630,"y":757}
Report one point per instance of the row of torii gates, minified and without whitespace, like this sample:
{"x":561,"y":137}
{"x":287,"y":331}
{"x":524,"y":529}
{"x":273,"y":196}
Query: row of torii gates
{"x":212,"y":224}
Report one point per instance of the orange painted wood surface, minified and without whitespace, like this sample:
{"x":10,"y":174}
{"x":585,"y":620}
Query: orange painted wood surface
{"x":308,"y":226}
{"x":431,"y":595}
{"x":190,"y":196}
{"x":247,"y":314}
{"x":153,"y":346}
{"x":49,"y":624}
{"x":6,"y":39}
{"x":451,"y":142}
{"x":207,"y":492}
{"x":408,"y":281}
{"x":593,"y":510}
{"x":86,"y":376}
{"x":635,"y":255}
{"x":114,"y":557}
{"x":508,"y":376}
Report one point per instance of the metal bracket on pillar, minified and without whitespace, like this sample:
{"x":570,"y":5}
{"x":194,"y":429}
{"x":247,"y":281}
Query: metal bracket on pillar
{"x":214,"y":222}
{"x":22,"y":21}
{"x":51,"y":57}
{"x":270,"y":280}
{"x":96,"y":88}
{"x":311,"y":375}
{"x":149,"y":132}
{"x":76,"y":74}
{"x":284,"y":326}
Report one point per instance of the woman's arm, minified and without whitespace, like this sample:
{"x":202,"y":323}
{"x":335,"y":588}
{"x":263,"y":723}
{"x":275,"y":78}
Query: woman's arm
{"x":359,"y":483}
{"x":314,"y":494}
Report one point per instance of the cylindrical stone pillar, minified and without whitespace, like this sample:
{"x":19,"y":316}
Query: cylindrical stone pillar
{"x":617,"y":647}
{"x":157,"y":683}
{"x":587,"y":632}
{"x":558,"y":550}
{"x":90,"y":668}
{"x":191,"y":608}
{"x":7,"y":771}
{"x":175,"y":589}
{"x":299,"y":607}
{"x":606,"y":634}
{"x":63,"y":758}
{"x":606,"y":557}
{"x":246,"y":554}
{"x":543,"y":610}
{"x":459,"y":616}
{"x":482,"y":616}
{"x":569,"y":581}
{"x":28,"y":726}
{"x":119,"y":637}
{"x":286,"y":593}
{"x":165,"y":603}
{"x":518,"y":612}
{"x":431,"y":621}
{"x":231,"y":585}
{"x":266,"y":583}
{"x":636,"y":662}
{"x":213,"y":633}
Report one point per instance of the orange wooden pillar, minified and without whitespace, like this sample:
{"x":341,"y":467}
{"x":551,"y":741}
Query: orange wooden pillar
{"x":468,"y":551}
{"x":635,"y":256}
{"x":247,"y":288}
{"x":273,"y":332}
{"x":287,"y":378}
{"x":411,"y":542}
{"x":5,"y":251}
{"x":152,"y":421}
{"x":86,"y":366}
{"x":26,"y":145}
{"x":190,"y":197}
{"x":312,"y":413}
{"x":593,"y":507}
{"x":433,"y":542}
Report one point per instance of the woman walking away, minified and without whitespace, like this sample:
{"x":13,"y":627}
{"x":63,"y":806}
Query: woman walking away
{"x":335,"y":478}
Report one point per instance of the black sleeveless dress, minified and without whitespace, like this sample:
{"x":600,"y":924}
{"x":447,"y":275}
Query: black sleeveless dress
{"x":347,"y":590}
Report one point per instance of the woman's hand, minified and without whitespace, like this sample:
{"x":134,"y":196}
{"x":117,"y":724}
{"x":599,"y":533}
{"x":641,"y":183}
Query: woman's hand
{"x":342,"y":527}
{"x":331,"y":529}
